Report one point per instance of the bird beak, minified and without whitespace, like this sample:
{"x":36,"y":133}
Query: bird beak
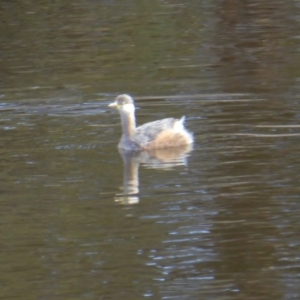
{"x":114,"y":104}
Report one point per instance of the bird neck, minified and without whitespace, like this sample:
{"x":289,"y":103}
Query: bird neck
{"x":128,"y":124}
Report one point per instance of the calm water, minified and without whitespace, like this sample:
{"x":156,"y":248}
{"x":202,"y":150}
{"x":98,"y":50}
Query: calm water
{"x":79,"y":220}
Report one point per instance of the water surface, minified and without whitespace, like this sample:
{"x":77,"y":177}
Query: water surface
{"x":218,"y":222}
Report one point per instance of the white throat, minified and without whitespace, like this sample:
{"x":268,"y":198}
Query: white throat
{"x":129,"y":108}
{"x":128,"y":120}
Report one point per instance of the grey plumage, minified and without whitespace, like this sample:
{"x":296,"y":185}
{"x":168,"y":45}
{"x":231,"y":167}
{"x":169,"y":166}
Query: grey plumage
{"x":149,"y":131}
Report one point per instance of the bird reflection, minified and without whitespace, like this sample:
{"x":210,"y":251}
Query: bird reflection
{"x":156,"y":159}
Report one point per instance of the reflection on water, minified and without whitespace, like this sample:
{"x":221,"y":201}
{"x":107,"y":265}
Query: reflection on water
{"x":156,"y":159}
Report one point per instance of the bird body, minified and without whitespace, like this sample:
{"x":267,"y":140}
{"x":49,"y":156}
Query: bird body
{"x":165,"y":133}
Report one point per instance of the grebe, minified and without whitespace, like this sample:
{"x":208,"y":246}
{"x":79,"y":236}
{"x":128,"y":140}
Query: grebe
{"x":165,"y":133}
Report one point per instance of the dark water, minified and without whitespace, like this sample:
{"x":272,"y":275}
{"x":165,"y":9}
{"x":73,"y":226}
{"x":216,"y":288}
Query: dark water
{"x":219,"y":222}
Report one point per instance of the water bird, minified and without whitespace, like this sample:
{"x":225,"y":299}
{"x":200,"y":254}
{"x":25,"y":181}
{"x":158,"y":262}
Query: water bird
{"x":165,"y":133}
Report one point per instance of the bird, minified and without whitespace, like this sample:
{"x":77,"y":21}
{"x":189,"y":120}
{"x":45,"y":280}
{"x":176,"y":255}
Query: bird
{"x":165,"y":133}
